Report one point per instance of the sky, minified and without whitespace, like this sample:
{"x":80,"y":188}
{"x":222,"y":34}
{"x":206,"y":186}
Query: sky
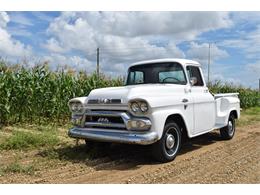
{"x":72,"y":38}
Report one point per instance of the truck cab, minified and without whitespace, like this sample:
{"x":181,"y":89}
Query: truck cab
{"x":162,"y":101}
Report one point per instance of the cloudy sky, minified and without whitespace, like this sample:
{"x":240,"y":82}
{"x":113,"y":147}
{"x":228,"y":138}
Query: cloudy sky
{"x":71,"y":38}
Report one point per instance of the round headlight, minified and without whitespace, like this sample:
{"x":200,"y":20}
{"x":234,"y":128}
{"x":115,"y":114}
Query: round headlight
{"x":76,"y":107}
{"x":80,"y":107}
{"x":135,"y":107}
{"x":139,"y":106}
{"x":143,"y":106}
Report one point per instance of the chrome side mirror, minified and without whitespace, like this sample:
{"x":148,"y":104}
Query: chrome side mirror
{"x":193,"y":81}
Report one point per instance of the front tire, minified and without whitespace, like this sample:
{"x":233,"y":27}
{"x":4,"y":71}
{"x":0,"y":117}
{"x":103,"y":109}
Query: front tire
{"x":228,"y":131}
{"x":167,"y":148}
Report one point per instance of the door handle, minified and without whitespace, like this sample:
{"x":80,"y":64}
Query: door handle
{"x":185,"y":100}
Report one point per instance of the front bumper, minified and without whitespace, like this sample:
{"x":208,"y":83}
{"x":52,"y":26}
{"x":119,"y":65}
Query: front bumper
{"x":129,"y":137}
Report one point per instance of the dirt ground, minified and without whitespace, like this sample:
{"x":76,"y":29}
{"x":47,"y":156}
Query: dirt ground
{"x":205,"y":159}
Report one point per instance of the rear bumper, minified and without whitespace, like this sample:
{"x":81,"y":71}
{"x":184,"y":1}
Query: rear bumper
{"x":114,"y":136}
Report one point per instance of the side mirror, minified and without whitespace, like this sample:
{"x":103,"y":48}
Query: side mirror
{"x":193,"y":81}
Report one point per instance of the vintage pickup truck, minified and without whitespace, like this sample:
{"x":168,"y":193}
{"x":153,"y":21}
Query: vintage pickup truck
{"x":162,"y":101}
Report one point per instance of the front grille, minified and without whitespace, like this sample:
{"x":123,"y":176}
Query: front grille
{"x":104,"y":101}
{"x":110,"y":119}
{"x":104,"y":119}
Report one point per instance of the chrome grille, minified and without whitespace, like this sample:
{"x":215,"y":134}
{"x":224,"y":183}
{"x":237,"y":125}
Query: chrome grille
{"x":104,"y":101}
{"x":105,"y":119}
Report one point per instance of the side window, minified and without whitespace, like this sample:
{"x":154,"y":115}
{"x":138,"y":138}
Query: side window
{"x":136,"y":77}
{"x":194,"y":71}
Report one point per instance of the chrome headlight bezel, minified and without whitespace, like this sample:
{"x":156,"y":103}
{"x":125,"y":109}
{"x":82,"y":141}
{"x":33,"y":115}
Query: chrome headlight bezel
{"x":76,"y":107}
{"x":138,"y":106}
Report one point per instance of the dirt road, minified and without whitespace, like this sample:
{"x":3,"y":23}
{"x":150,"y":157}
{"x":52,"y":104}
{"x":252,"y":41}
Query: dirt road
{"x":205,"y":159}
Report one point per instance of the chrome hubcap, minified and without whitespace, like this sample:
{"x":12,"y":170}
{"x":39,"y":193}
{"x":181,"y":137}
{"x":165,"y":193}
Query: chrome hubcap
{"x":230,"y":127}
{"x":170,"y":141}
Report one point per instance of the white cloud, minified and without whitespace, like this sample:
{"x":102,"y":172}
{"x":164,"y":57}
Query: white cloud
{"x":224,"y":79}
{"x":54,"y":46}
{"x":180,"y":24}
{"x":4,"y":19}
{"x":10,"y":47}
{"x":73,"y":62}
{"x":127,"y":36}
{"x":254,"y":68}
{"x":247,"y":42}
{"x":200,"y":52}
{"x":19,"y":18}
{"x":42,"y":16}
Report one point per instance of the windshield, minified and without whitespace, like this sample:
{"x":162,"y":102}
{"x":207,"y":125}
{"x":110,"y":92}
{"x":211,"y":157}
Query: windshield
{"x":156,"y":73}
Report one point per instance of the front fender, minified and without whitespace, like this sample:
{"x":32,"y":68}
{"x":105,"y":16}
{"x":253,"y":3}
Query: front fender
{"x":159,"y":118}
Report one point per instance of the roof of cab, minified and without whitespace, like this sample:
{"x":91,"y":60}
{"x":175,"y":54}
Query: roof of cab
{"x":181,"y":61}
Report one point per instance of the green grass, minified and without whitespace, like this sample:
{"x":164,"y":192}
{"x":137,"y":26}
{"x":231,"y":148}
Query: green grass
{"x":27,"y":140}
{"x":15,"y":167}
{"x":249,"y":116}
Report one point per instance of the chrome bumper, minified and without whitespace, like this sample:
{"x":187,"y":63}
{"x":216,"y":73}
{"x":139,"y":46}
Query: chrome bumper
{"x":105,"y":135}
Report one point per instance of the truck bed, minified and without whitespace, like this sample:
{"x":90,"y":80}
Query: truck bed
{"x":219,"y":95}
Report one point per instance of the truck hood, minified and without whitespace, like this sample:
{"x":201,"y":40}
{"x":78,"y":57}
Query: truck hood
{"x":144,"y":91}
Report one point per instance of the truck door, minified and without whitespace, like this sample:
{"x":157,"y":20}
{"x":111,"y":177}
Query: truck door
{"x":204,"y":103}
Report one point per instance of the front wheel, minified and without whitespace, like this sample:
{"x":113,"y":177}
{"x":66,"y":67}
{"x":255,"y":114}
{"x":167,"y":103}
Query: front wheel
{"x":228,"y":131}
{"x":167,"y":148}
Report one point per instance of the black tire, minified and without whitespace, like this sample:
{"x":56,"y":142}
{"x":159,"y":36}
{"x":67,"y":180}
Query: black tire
{"x":228,"y":131}
{"x":163,"y":150}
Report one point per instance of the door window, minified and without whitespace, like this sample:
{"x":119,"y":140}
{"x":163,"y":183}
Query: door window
{"x":194,"y":71}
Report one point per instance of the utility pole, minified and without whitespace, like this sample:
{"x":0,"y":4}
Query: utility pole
{"x":98,"y":62}
{"x":259,"y":86}
{"x":209,"y":62}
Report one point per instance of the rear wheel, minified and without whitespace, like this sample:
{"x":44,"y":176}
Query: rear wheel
{"x":167,"y":148}
{"x":228,"y":131}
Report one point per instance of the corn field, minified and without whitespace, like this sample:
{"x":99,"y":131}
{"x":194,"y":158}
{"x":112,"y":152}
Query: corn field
{"x":248,"y":97}
{"x":38,"y":95}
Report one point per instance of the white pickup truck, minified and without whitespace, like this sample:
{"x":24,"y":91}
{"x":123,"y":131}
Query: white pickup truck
{"x":162,"y":101}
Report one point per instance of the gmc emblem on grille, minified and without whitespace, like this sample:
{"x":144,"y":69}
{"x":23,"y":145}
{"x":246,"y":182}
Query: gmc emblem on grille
{"x":103,"y":120}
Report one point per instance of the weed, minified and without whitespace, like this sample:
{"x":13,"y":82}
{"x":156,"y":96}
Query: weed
{"x":249,"y":116}
{"x":23,"y":140}
{"x":15,"y":167}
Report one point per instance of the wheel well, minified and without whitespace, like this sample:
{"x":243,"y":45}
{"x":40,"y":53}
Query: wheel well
{"x":177,"y":118}
{"x":234,"y":112}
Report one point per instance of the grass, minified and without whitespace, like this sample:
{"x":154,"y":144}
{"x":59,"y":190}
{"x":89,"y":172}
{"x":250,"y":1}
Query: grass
{"x":15,"y":167}
{"x":48,"y":137}
{"x":249,"y":116}
{"x":27,"y":140}
{"x":47,"y":141}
